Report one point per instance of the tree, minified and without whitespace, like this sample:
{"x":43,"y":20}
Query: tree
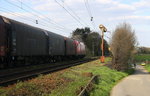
{"x":122,"y":44}
{"x":93,"y":43}
{"x":92,"y":40}
{"x":143,"y":50}
{"x":81,"y":34}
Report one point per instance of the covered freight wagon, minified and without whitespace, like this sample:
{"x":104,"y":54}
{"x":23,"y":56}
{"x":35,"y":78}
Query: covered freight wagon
{"x":56,"y":44}
{"x":70,"y":47}
{"x":21,"y":39}
{"x":25,"y":43}
{"x":27,"y":40}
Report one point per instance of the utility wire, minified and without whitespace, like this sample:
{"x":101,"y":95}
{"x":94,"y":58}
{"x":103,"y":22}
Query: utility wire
{"x":89,"y":12}
{"x":15,"y":14}
{"x":29,"y":12}
{"x":53,"y":22}
{"x":74,"y":13}
{"x":88,"y":8}
{"x":25,"y":19}
{"x":69,"y":12}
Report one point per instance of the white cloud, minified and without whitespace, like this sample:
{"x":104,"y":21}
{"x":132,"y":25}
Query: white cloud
{"x":16,"y":14}
{"x":107,"y":1}
{"x":122,"y":7}
{"x":72,"y":2}
{"x":46,"y":7}
{"x":133,"y":17}
{"x":142,"y":3}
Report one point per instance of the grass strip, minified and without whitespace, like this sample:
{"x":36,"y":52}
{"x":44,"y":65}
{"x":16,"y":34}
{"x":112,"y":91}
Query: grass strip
{"x":147,"y":67}
{"x":142,"y":57}
{"x":68,"y":82}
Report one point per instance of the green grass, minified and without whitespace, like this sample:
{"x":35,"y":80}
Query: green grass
{"x":142,"y":57}
{"x":108,"y":78}
{"x":21,"y":89}
{"x":147,"y":67}
{"x":72,"y":87}
{"x":74,"y":77}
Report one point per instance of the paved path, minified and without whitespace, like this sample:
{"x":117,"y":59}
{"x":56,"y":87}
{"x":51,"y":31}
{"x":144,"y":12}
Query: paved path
{"x":137,"y":84}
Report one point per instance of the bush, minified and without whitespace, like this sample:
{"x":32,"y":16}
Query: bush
{"x":122,"y":46}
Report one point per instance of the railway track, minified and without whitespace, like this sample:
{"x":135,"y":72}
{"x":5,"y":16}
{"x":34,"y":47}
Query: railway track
{"x":12,"y":77}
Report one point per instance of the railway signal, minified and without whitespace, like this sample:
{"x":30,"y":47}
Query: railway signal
{"x":103,"y":29}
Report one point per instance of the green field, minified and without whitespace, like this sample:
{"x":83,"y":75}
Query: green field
{"x":142,"y":57}
{"x":147,"y":67}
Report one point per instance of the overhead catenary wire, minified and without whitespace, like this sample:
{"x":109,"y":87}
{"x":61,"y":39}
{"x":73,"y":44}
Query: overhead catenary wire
{"x":36,"y":15}
{"x":16,"y":14}
{"x":52,"y":21}
{"x":75,"y":14}
{"x":49,"y":20}
{"x":89,"y":12}
{"x":88,"y":8}
{"x":20,"y":2}
{"x":25,"y":19}
{"x":69,"y":13}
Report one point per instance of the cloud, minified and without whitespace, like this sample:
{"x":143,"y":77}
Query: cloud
{"x":15,"y":15}
{"x":133,"y":17}
{"x":73,"y":2}
{"x":45,"y":5}
{"x":106,"y":1}
{"x":122,"y":7}
{"x":142,"y":3}
{"x":133,"y":20}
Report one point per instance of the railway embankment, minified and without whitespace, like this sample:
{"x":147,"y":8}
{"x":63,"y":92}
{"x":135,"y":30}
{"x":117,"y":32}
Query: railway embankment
{"x":68,"y":82}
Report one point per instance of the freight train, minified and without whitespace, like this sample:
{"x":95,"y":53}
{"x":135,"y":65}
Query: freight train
{"x":23,"y":43}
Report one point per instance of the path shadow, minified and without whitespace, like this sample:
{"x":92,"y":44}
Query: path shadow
{"x":139,"y":70}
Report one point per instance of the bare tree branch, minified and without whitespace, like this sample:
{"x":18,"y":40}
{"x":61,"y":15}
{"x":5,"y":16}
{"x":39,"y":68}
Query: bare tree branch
{"x":122,"y":44}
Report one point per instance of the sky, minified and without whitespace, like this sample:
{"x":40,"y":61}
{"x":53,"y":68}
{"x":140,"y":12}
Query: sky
{"x":64,"y":16}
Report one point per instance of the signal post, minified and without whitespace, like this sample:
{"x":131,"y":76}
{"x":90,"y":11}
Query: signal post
{"x":103,"y":29}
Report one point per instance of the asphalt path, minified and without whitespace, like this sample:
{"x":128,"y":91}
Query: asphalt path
{"x":137,"y":84}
